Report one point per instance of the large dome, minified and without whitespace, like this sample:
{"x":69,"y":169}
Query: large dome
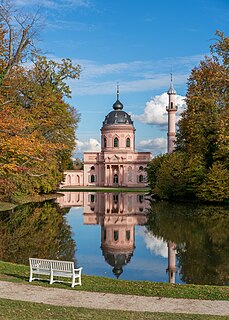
{"x":118,"y":116}
{"x":117,"y":260}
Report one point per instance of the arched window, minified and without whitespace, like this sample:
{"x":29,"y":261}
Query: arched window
{"x":128,"y":142}
{"x":115,"y":198}
{"x":115,"y":142}
{"x":129,"y":174}
{"x":141,"y":168}
{"x":115,"y":235}
{"x":69,"y":180}
{"x":115,"y":178}
{"x":92,"y":178}
{"x":140,"y":198}
{"x":105,"y":142}
{"x":92,"y":168}
{"x":69,"y":196}
{"x":141,"y":178}
{"x":128,"y":235}
{"x":171,"y":105}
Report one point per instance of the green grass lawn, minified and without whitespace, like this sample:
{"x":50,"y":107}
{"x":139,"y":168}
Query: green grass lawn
{"x":18,"y":310}
{"x":20,"y":273}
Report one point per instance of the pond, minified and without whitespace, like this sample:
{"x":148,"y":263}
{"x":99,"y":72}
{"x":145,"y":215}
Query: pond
{"x":123,"y":236}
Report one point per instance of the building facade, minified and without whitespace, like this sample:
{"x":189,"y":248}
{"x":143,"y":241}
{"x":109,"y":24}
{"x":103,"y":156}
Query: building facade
{"x":117,"y":164}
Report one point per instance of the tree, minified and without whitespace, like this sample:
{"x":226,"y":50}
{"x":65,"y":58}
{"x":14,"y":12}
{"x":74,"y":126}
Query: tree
{"x":19,"y":32}
{"x":37,"y":125}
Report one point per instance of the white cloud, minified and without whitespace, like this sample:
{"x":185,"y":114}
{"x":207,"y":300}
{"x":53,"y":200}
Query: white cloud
{"x":154,"y":244}
{"x":134,"y":76}
{"x":71,"y":25}
{"x":92,"y":145}
{"x":156,"y":145}
{"x":155,"y":110}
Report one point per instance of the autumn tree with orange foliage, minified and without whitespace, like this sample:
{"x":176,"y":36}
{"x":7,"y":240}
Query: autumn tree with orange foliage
{"x":37,"y":125}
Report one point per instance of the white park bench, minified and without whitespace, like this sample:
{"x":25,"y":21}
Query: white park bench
{"x":54,"y":268}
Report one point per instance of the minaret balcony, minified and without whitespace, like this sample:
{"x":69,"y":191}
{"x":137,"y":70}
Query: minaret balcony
{"x":169,"y":108}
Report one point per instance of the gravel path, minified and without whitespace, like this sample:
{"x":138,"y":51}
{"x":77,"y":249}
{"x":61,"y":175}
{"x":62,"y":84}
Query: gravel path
{"x":74,"y":298}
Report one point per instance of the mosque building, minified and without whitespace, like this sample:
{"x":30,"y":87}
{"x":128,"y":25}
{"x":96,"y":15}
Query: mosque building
{"x":117,"y":164}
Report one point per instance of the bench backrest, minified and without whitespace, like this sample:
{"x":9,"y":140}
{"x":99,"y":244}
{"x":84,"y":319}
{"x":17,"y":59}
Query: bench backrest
{"x":65,"y":266}
{"x":40,"y":263}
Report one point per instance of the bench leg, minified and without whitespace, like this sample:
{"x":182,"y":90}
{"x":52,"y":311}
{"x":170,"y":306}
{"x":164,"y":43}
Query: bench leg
{"x":31,"y":276}
{"x":73,"y":282}
{"x":51,"y":278}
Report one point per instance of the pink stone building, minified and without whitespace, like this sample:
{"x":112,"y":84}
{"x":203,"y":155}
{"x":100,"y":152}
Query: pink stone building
{"x":117,"y":164}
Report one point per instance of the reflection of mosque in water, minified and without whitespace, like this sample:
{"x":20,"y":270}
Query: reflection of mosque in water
{"x":118,"y":214}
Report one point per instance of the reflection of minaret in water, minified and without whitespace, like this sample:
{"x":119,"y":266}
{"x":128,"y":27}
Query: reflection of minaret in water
{"x":171,"y":262}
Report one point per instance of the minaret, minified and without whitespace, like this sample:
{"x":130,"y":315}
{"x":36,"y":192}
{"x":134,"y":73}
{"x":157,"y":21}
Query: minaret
{"x":171,"y":108}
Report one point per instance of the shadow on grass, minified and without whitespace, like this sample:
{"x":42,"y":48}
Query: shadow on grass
{"x":15,"y":276}
{"x":38,"y":282}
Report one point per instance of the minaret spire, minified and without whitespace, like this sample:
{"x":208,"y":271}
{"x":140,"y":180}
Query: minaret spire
{"x":171,"y":88}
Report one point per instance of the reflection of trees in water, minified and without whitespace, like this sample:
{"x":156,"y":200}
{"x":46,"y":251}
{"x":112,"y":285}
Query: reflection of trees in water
{"x":202,"y":237}
{"x":35,"y":230}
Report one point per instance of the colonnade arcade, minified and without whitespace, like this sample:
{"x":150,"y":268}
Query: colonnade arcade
{"x":114,"y":175}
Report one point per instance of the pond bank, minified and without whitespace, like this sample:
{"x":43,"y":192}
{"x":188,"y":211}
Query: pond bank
{"x":17,"y":201}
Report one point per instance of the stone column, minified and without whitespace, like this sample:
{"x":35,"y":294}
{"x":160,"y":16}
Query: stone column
{"x":107,"y":174}
{"x":110,"y":180}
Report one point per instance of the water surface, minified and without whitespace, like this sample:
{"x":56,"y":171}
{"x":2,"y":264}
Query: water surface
{"x":122,"y":235}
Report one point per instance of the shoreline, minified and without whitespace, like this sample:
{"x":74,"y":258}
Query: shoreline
{"x":8,"y":206}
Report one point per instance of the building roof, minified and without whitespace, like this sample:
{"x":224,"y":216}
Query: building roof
{"x":118,"y":116}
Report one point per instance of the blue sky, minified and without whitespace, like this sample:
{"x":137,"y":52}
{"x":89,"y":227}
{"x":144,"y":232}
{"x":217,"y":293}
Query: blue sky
{"x":136,"y":43}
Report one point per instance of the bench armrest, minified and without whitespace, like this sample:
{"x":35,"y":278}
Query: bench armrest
{"x":78,"y":270}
